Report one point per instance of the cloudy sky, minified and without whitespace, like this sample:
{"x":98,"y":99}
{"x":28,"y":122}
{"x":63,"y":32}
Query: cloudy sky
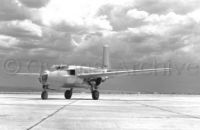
{"x":73,"y":32}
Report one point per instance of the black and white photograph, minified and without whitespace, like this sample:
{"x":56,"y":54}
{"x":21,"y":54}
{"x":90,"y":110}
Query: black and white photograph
{"x":99,"y":64}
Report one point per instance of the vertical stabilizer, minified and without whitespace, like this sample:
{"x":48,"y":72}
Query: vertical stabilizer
{"x":106,"y":62}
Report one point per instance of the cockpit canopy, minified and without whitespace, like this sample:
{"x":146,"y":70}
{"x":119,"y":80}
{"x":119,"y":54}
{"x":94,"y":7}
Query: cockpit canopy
{"x":70,"y":69}
{"x":59,"y":67}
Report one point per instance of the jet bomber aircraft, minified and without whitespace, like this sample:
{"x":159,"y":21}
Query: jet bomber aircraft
{"x":70,"y":77}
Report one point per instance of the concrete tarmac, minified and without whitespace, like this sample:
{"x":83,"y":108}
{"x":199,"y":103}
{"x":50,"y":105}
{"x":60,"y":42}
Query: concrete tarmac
{"x":111,"y":112}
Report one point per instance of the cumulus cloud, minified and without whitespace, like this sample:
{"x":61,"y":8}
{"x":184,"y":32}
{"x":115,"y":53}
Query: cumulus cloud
{"x":24,"y":29}
{"x":136,"y":30}
{"x":12,"y":10}
{"x":8,"y":42}
{"x":34,"y":3}
{"x":74,"y":16}
{"x":163,"y":6}
{"x":136,"y":14}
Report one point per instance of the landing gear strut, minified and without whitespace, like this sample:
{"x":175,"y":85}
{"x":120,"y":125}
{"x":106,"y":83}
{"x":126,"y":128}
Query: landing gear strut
{"x":95,"y":94}
{"x":44,"y":94}
{"x":68,"y":94}
{"x":94,"y":91}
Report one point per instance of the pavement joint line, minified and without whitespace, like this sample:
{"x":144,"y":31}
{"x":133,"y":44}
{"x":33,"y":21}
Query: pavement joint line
{"x":162,"y":109}
{"x":50,"y":115}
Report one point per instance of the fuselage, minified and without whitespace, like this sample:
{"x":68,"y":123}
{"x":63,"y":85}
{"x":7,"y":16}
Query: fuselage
{"x":66,"y":76}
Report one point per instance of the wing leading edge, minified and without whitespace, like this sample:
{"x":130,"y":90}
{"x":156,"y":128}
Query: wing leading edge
{"x":28,"y":74}
{"x":124,"y":72}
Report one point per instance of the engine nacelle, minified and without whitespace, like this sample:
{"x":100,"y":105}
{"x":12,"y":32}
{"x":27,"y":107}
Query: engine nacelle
{"x":98,"y":81}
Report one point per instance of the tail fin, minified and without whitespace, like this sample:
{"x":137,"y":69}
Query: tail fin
{"x":106,"y":63}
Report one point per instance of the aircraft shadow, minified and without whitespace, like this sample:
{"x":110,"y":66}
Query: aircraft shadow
{"x":87,"y":99}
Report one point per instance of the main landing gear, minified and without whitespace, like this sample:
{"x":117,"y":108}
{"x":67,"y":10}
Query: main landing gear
{"x":94,"y":90}
{"x":95,"y":94}
{"x":68,"y":93}
{"x":44,"y":94}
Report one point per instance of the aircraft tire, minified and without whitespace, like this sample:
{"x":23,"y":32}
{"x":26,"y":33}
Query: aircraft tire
{"x":44,"y":95}
{"x":95,"y":95}
{"x":68,"y":94}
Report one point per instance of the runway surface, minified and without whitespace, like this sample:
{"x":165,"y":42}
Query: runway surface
{"x":111,"y":112}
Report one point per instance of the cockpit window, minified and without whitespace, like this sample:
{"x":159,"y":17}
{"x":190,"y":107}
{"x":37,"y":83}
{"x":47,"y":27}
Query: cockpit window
{"x":59,"y":67}
{"x":72,"y":72}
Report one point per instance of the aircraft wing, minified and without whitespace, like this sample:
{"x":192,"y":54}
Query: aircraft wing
{"x":28,"y":74}
{"x":123,"y":72}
